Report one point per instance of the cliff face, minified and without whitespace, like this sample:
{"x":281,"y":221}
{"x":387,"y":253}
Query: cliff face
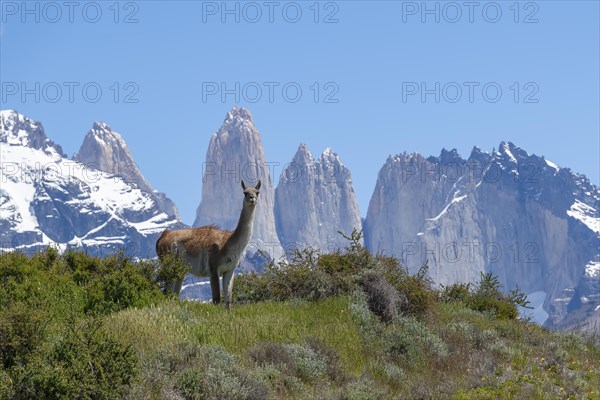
{"x":236,"y":153}
{"x":529,"y":221}
{"x":314,"y":200}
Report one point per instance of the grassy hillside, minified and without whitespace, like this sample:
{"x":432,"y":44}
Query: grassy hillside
{"x":347,"y":325}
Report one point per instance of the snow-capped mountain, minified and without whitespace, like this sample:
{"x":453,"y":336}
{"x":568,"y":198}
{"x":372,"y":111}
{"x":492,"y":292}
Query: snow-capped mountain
{"x":46,"y":198}
{"x":314,"y":200}
{"x":105,"y":150}
{"x":534,"y":224}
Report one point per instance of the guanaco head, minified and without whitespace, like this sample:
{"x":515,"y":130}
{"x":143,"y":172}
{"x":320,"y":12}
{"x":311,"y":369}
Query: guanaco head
{"x":250,"y":194}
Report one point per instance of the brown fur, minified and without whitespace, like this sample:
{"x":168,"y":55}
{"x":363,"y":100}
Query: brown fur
{"x":194,"y":239}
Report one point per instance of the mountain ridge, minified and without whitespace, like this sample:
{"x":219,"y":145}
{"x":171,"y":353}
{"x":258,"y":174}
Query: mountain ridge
{"x":49,"y":199}
{"x":516,"y":214}
{"x":541,"y":220}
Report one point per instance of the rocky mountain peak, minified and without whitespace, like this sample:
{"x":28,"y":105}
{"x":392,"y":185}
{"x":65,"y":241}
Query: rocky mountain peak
{"x":314,"y":200}
{"x":18,"y":130}
{"x":330,"y":157}
{"x":237,"y":127}
{"x":103,"y":132}
{"x":450,"y":157}
{"x":239,"y":114}
{"x":105,"y":149}
{"x":478,"y":155}
{"x":511,"y":153}
{"x":303,"y":154}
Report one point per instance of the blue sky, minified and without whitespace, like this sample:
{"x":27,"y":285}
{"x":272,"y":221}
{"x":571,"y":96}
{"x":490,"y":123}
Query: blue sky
{"x":372,"y":59}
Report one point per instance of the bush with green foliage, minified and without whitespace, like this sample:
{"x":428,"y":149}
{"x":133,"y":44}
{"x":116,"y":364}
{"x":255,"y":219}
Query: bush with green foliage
{"x":172,"y":269}
{"x":22,"y":331}
{"x":52,"y":344}
{"x":86,"y":362}
{"x":309,"y":275}
{"x":487,"y":296}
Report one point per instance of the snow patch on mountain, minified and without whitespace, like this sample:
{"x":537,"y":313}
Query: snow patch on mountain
{"x":155,"y":224}
{"x":552,"y":165}
{"x":585,"y":214}
{"x":506,"y":150}
{"x":454,"y":201}
{"x":592,"y":269}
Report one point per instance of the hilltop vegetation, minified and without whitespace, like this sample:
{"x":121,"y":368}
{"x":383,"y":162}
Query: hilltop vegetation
{"x":345,"y":325}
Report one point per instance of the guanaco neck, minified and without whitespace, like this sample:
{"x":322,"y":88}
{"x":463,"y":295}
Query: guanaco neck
{"x":240,"y":237}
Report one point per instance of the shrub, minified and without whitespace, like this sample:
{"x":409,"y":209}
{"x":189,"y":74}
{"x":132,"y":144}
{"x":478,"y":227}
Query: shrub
{"x":308,"y":365}
{"x":487,"y":296}
{"x":46,"y":258}
{"x":359,"y":309}
{"x":456,"y":292}
{"x":6,"y":385}
{"x":282,"y":384}
{"x":251,"y":288}
{"x":363,"y":389}
{"x":411,"y":343}
{"x":160,"y":369}
{"x":418,"y":292}
{"x":269,"y":353}
{"x":394,"y":374}
{"x":310,"y":275}
{"x":215,"y":375}
{"x":211,"y":384}
{"x":48,"y":346}
{"x":22,"y":331}
{"x":122,"y":284}
{"x":382,"y":298}
{"x":84,"y":363}
{"x":16,"y":276}
{"x":333,"y":362}
{"x":298,"y":278}
{"x":82,"y":267}
{"x":297,"y":360}
{"x":171,"y":269}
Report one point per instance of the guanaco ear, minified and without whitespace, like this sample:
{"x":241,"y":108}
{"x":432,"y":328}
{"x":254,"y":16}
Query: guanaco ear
{"x":257,"y":185}
{"x":243,"y":185}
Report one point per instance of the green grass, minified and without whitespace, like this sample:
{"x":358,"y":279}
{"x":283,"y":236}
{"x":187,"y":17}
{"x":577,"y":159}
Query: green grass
{"x":78,"y":327}
{"x":485,"y":358}
{"x":246,"y":325}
